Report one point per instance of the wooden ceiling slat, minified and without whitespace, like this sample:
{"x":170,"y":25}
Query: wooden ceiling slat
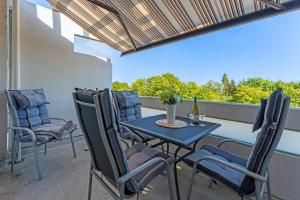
{"x":212,"y":11}
{"x":132,"y":26}
{"x":199,"y":13}
{"x":224,"y":10}
{"x":156,"y":13}
{"x":129,"y":12}
{"x":155,"y":22}
{"x":179,"y":13}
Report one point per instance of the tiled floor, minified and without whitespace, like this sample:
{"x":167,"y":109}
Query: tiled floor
{"x":66,"y":178}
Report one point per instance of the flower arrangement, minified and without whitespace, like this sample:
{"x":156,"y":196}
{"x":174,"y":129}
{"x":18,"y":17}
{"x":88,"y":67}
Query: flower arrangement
{"x":170,"y":97}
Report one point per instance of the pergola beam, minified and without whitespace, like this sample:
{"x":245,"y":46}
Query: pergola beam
{"x":272,"y":4}
{"x":117,"y":14}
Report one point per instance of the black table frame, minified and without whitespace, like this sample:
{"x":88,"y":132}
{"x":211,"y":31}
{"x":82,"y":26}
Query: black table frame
{"x":179,"y":147}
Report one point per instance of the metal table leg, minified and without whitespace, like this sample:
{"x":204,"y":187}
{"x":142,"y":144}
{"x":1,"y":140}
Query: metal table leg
{"x":175,"y":174}
{"x":191,"y":150}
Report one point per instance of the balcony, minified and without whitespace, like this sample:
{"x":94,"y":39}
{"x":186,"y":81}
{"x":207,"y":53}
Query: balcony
{"x":67,"y":177}
{"x":58,"y":55}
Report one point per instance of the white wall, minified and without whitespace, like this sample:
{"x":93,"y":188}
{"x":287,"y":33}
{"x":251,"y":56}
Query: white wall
{"x":3,"y":75}
{"x":48,"y":61}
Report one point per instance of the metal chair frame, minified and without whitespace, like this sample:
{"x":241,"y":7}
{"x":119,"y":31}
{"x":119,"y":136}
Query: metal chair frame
{"x":260,"y":180}
{"x":32,"y":135}
{"x":121,"y":180}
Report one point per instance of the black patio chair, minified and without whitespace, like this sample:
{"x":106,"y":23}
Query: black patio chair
{"x":127,"y":171}
{"x":31,"y":123}
{"x":248,"y":177}
{"x":128,"y":108}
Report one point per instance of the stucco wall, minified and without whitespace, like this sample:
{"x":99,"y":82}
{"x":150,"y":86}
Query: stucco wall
{"x":3,"y":75}
{"x":48,"y":61}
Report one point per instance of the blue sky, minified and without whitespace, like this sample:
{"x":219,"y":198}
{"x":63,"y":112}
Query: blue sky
{"x":268,"y":48}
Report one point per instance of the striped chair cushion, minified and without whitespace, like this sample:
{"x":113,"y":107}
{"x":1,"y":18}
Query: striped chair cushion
{"x":128,"y":104}
{"x":28,"y":108}
{"x":265,"y":138}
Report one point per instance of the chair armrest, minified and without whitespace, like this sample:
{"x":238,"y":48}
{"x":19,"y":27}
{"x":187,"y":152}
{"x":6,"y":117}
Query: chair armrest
{"x":234,"y":141}
{"x":29,"y":131}
{"x":129,"y":131}
{"x":57,"y":118}
{"x":234,"y":167}
{"x":149,"y":163}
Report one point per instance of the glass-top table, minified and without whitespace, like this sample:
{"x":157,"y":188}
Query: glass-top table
{"x":184,"y":138}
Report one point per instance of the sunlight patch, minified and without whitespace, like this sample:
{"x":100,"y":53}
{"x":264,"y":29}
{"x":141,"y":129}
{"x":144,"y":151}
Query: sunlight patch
{"x":45,"y":15}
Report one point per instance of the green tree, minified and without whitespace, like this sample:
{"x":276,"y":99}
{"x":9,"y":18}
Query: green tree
{"x":246,"y":91}
{"x":247,"y":94}
{"x":190,"y":90}
{"x":226,"y":84}
{"x":119,"y":86}
{"x":141,"y":86}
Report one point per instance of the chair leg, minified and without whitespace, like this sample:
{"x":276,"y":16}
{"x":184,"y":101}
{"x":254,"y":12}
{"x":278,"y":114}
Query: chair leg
{"x":90,"y":184}
{"x":191,"y":183}
{"x":258,"y":190}
{"x":13,"y":151}
{"x":122,"y":189}
{"x":169,"y":174}
{"x":45,"y":149}
{"x":35,"y":151}
{"x":168,"y":148}
{"x":162,"y":148}
{"x":211,"y":182}
{"x":269,"y":188}
{"x":73,"y":146}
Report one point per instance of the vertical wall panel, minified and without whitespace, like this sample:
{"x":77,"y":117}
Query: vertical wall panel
{"x":3,"y":74}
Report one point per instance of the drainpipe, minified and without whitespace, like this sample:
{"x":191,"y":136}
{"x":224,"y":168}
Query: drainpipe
{"x":15,"y":75}
{"x":15,"y":68}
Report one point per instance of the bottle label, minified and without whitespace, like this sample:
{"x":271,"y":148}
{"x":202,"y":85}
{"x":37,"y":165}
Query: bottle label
{"x":196,"y":119}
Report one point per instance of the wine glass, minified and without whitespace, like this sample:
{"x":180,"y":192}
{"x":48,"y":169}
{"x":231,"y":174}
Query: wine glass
{"x":190,"y":115}
{"x":202,"y":115}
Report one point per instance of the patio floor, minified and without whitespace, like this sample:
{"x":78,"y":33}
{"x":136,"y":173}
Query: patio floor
{"x":66,"y":178}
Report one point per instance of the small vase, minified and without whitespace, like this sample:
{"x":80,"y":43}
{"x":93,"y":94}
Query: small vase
{"x":171,"y":113}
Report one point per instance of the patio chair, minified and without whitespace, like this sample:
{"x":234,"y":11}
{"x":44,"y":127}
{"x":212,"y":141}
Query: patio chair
{"x":31,"y":123}
{"x":246,"y":177}
{"x":128,"y":108}
{"x":127,"y":171}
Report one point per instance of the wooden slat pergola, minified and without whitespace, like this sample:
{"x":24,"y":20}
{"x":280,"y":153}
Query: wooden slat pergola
{"x":133,"y":25}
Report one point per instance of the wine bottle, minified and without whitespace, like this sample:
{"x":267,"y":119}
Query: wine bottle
{"x":196,"y":112}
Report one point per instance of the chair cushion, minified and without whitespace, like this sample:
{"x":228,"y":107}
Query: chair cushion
{"x":260,"y":115}
{"x":223,"y":174}
{"x":128,"y":104}
{"x":39,"y":138}
{"x":265,"y":138}
{"x":30,"y":98}
{"x":29,"y":107}
{"x":57,"y":128}
{"x":139,"y":154}
{"x":137,"y":136}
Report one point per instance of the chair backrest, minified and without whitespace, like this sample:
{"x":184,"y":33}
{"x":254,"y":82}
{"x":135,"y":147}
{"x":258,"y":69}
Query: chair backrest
{"x":28,"y":108}
{"x":98,"y":124}
{"x":128,"y":105}
{"x":274,"y":120}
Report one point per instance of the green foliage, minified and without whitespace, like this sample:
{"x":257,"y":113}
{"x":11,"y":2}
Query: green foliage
{"x":247,"y":91}
{"x":119,"y":86}
{"x":169,"y":96}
